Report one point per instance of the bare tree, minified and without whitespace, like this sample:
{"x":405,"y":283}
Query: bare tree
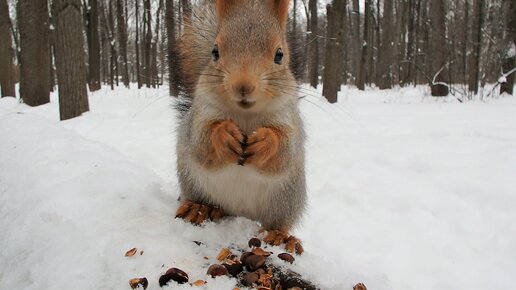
{"x":33,"y":24}
{"x":70,"y":58}
{"x":314,"y":44}
{"x":92,"y":29}
{"x":147,"y":41}
{"x":356,"y":39}
{"x":474,"y":61}
{"x":6,"y":52}
{"x":438,"y":51}
{"x":172,"y":55}
{"x":334,"y":42}
{"x":122,"y":41}
{"x":509,"y":62}
{"x":386,"y":53}
{"x":137,"y":42}
{"x":362,"y":68}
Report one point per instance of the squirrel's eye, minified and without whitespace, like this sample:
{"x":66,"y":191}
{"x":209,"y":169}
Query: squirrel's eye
{"x":215,"y":53}
{"x":279,"y":56}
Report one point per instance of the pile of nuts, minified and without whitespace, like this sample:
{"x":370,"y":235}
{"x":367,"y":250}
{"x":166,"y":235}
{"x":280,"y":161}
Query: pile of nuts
{"x":250,"y":269}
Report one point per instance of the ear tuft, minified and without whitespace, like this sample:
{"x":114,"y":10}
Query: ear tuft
{"x":223,"y":7}
{"x":280,"y":8}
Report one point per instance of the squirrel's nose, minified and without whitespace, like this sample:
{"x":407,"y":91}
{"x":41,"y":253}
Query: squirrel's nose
{"x":243,"y":90}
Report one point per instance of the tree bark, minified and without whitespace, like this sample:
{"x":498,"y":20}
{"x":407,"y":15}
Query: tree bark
{"x":122,"y":41}
{"x":365,"y":47}
{"x":33,"y":24}
{"x":509,"y":61}
{"x":137,"y":43}
{"x":6,"y":52}
{"x":332,"y":68}
{"x":92,"y":28}
{"x":314,"y":46}
{"x":356,"y":40}
{"x":438,"y":52}
{"x":147,"y":42}
{"x":386,"y":52}
{"x":172,"y":55}
{"x":474,"y":66}
{"x":70,"y":58}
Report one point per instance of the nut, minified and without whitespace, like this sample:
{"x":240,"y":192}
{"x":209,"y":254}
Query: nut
{"x":234,"y":269}
{"x":359,"y":286}
{"x":131,"y":252}
{"x":137,"y":282}
{"x":199,"y":283}
{"x":287,"y":257}
{"x":261,"y":252}
{"x":254,"y":262}
{"x":249,"y":279}
{"x":223,"y":254}
{"x":216,"y":270}
{"x":245,"y":255}
{"x":174,"y":274}
{"x":255,"y":242}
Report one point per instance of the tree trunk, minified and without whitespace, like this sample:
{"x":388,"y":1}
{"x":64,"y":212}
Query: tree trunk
{"x":122,"y":41}
{"x":33,"y":24}
{"x":6,"y":52}
{"x":173,"y":63}
{"x":356,"y":41}
{"x":438,"y":52}
{"x":474,"y":67}
{"x":386,"y":52}
{"x":70,"y":58}
{"x":332,"y":68}
{"x":137,"y":42}
{"x":93,"y":45}
{"x":148,"y":42}
{"x":314,"y":46}
{"x":365,"y":47}
{"x":509,"y":61}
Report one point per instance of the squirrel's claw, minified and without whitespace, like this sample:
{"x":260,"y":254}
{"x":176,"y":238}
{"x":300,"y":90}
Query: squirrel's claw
{"x":278,"y":237}
{"x":196,"y":213}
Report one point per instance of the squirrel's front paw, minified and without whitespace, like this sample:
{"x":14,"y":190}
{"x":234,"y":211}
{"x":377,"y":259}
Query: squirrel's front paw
{"x":262,"y":148}
{"x":226,"y":140}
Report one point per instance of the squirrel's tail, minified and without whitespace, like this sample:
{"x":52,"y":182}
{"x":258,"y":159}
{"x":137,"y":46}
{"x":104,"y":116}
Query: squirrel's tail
{"x":196,"y":44}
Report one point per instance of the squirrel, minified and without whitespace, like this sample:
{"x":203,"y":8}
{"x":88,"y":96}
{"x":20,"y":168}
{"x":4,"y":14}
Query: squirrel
{"x":240,"y":145}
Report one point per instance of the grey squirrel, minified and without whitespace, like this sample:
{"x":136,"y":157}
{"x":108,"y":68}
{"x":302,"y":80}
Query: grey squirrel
{"x":240,"y":148}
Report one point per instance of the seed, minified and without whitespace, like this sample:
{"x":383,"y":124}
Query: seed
{"x":287,"y":257}
{"x":254,"y":262}
{"x":255,"y":242}
{"x":137,"y":282}
{"x":261,"y":252}
{"x":216,"y":270}
{"x":131,"y":252}
{"x":175,"y":274}
{"x":249,"y":279}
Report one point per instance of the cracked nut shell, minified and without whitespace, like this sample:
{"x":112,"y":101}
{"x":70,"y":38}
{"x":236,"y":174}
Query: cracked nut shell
{"x":254,"y":262}
{"x":136,"y":282}
{"x":249,"y":279}
{"x":254,"y":242}
{"x":174,"y":274}
{"x":287,"y":257}
{"x":216,"y":270}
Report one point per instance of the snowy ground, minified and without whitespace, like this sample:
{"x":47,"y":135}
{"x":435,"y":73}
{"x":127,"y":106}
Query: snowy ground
{"x":405,"y":192}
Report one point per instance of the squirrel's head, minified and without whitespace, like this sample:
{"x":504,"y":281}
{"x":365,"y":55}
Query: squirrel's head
{"x":249,"y":69}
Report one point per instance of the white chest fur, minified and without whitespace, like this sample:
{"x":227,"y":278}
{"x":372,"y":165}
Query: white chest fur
{"x":239,"y":190}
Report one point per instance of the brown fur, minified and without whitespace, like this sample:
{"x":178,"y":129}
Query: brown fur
{"x":242,"y":91}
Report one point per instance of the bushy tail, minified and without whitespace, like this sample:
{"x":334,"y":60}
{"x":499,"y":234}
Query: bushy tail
{"x":196,"y":44}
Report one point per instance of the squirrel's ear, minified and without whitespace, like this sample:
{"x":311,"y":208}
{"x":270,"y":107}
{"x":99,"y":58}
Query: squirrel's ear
{"x":223,"y":6}
{"x":280,"y":8}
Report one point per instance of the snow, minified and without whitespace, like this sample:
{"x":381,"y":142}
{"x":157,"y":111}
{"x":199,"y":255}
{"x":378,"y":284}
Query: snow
{"x":405,"y":192}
